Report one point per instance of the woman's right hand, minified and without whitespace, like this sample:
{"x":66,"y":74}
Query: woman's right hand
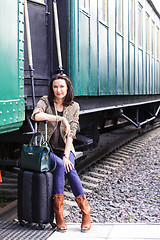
{"x":68,"y":165}
{"x":66,"y":126}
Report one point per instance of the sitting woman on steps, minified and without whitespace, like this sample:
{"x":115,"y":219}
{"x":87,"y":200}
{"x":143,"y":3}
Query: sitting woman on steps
{"x":62,"y":114}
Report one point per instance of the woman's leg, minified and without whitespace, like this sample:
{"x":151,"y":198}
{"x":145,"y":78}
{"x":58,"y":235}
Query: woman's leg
{"x":74,"y":180}
{"x":85,"y":208}
{"x":58,"y":191}
{"x":58,"y":174}
{"x":80,"y":197}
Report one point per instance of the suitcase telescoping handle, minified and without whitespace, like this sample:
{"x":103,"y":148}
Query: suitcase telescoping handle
{"x":45,"y":127}
{"x":45,"y":131}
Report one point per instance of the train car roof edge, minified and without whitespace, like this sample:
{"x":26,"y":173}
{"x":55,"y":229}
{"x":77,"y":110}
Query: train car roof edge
{"x":154,"y":8}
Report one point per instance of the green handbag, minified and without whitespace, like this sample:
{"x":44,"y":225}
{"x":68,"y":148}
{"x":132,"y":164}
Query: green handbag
{"x":35,"y":157}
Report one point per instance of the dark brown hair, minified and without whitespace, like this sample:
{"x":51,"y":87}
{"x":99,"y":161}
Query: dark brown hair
{"x":70,"y":92}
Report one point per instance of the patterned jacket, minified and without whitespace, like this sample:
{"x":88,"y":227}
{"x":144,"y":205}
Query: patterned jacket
{"x":71,"y":113}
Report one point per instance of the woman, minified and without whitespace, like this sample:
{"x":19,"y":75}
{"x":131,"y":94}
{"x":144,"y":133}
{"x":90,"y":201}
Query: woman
{"x":62,"y":114}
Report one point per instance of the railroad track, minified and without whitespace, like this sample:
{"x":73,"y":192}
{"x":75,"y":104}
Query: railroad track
{"x":106,"y":160}
{"x":114,"y":148}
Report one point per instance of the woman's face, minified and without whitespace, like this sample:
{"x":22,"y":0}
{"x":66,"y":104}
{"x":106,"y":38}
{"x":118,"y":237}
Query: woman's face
{"x":59,"y":89}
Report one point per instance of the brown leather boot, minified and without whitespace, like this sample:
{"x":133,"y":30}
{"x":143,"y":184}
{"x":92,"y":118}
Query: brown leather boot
{"x":85,"y":208}
{"x":58,"y":207}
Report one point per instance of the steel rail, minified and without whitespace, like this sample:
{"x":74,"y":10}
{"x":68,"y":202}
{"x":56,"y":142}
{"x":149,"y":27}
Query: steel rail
{"x":105,"y":150}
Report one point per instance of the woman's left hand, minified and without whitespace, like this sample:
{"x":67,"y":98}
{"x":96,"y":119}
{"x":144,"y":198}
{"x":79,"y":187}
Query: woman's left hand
{"x":68,"y":165}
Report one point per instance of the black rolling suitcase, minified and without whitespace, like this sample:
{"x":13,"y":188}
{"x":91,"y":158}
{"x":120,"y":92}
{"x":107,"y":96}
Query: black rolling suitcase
{"x":35,"y":196}
{"x":35,"y":193}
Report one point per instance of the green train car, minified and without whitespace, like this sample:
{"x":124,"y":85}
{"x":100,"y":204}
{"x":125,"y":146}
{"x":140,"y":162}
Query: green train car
{"x":12,"y":107}
{"x":114,"y":47}
{"x":114,"y":51}
{"x":110,"y":50}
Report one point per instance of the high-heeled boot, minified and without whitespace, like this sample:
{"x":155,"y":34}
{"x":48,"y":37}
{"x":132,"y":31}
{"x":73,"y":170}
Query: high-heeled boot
{"x":58,"y":206}
{"x":85,"y":208}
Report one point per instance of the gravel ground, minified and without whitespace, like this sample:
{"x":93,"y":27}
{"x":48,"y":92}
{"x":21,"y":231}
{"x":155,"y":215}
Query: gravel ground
{"x":131,"y":193}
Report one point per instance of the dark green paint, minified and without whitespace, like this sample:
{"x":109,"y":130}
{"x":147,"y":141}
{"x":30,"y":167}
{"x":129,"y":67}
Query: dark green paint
{"x":102,"y":61}
{"x":11,"y":65}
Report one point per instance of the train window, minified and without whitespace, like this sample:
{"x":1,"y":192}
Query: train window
{"x":158,"y":54}
{"x":120,"y":16}
{"x":84,"y":4}
{"x":140,"y":25}
{"x":153,"y":38}
{"x":102,"y":10}
{"x":147,"y":33}
{"x":132,"y":20}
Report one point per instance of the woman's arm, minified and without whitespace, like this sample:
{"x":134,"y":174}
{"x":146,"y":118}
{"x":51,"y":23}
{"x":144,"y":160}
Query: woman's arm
{"x":42,"y":116}
{"x":67,"y":163}
{"x":74,"y":123}
{"x":73,"y":126}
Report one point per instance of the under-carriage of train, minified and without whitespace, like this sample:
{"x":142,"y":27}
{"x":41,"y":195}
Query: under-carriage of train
{"x":110,"y":49}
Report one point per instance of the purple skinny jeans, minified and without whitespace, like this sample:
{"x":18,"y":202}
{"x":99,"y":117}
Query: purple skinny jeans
{"x":59,"y":173}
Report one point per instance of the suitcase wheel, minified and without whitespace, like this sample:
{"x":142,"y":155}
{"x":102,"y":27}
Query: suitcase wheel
{"x":53,"y":225}
{"x":22,"y":223}
{"x":41,"y":226}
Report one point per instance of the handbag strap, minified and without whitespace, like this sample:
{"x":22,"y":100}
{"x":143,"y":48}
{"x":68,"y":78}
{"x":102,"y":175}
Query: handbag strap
{"x":51,"y":150}
{"x":35,"y":135}
{"x":54,"y":167}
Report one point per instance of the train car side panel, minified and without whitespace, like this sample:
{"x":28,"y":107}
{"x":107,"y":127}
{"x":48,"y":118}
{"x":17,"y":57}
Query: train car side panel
{"x":84,"y":52}
{"x":103,"y":59}
{"x":72,"y":43}
{"x":126,"y":48}
{"x":93,"y":87}
{"x":12,"y":65}
{"x":119,"y":46}
{"x":112,"y":58}
{"x":123,"y":41}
